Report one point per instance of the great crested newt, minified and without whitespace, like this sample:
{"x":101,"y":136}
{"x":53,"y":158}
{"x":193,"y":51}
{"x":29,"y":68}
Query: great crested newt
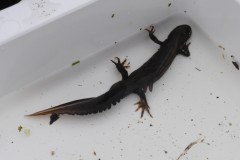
{"x":137,"y":82}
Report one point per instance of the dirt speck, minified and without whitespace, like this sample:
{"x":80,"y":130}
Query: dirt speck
{"x":220,"y":46}
{"x":75,"y":63}
{"x":20,"y":128}
{"x":52,"y":153}
{"x":200,"y":140}
{"x":27,"y":132}
{"x":112,"y":15}
{"x":235,"y":62}
{"x":24,"y":130}
{"x":197,"y":69}
{"x":169,"y":4}
{"x":236,"y":65}
{"x":223,"y":56}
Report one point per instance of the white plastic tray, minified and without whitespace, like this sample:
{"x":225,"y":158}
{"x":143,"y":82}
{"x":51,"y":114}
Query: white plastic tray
{"x":196,"y":99}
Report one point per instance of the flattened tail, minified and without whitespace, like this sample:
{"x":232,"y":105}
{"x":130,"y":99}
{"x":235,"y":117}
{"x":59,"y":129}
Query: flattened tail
{"x":46,"y":111}
{"x":60,"y":109}
{"x":87,"y":105}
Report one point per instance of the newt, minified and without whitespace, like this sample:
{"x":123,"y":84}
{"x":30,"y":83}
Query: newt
{"x":137,"y":82}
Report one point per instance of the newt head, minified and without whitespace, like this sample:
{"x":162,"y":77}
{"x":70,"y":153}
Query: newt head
{"x":183,"y":31}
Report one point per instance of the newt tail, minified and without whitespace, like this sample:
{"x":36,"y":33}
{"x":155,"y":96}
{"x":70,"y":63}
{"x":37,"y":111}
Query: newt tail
{"x":137,"y":82}
{"x":87,"y":105}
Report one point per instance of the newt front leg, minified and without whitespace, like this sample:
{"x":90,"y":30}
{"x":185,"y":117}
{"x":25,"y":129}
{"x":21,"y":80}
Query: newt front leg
{"x":121,"y":67}
{"x":152,"y":36}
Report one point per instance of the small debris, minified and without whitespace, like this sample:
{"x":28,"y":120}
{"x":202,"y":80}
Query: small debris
{"x":198,"y":69}
{"x":200,"y":140}
{"x":113,"y":15}
{"x":140,"y":29}
{"x":220,"y":46}
{"x":165,"y":151}
{"x":235,"y":62}
{"x":223,"y":56}
{"x":27,"y":132}
{"x":75,"y":63}
{"x":20,"y":128}
{"x":52,"y":153}
{"x":236,"y":65}
{"x":169,"y":4}
{"x":185,"y":11}
{"x":94,"y":153}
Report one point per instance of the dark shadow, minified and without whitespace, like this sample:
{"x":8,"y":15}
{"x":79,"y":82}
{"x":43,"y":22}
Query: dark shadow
{"x":7,"y":3}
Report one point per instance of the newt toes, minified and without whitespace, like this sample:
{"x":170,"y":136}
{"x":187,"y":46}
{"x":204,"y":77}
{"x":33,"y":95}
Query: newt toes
{"x":137,"y":82}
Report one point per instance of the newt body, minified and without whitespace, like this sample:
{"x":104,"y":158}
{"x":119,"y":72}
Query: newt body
{"x":137,"y":82}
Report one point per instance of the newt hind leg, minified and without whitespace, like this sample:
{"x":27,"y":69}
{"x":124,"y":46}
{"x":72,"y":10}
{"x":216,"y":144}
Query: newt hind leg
{"x":142,"y":103}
